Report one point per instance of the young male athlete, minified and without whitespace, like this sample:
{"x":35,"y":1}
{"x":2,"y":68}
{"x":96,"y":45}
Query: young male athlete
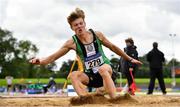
{"x":88,"y":46}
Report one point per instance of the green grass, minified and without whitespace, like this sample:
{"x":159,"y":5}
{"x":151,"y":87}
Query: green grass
{"x":61,"y":80}
{"x":146,"y":80}
{"x":32,"y":80}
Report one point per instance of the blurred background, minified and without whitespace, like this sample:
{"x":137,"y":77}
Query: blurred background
{"x":30,"y":28}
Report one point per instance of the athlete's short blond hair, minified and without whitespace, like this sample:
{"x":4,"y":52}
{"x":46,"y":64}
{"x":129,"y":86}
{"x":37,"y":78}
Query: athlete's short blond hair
{"x":78,"y":13}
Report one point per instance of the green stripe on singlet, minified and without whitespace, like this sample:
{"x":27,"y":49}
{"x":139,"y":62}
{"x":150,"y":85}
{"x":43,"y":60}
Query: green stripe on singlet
{"x":78,"y":49}
{"x":106,"y":60}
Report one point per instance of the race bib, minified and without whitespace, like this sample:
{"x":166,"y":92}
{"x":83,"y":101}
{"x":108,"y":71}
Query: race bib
{"x":94,"y":61}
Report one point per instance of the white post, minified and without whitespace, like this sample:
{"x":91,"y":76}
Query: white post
{"x":173,"y":58}
{"x":0,"y":69}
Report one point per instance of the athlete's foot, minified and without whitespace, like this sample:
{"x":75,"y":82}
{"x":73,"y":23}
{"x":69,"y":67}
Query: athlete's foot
{"x":100,"y":91}
{"x":120,"y":98}
{"x":97,"y":94}
{"x":85,"y":99}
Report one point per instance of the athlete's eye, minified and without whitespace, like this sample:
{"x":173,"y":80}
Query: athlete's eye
{"x":76,"y":25}
{"x":81,"y":23}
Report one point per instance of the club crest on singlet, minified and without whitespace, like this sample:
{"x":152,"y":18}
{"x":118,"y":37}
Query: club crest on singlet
{"x":90,"y":49}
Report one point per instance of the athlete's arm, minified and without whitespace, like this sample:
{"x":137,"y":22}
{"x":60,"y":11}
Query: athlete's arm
{"x":68,"y":45}
{"x":115,"y":49}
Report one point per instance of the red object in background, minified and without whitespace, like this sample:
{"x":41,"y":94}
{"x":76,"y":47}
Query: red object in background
{"x":177,"y":71}
{"x":132,"y":87}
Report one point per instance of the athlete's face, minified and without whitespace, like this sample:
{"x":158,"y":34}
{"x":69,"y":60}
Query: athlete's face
{"x":128,"y":44}
{"x":78,"y":26}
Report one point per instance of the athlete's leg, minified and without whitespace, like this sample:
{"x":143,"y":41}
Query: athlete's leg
{"x":106,"y":71}
{"x":79,"y":80}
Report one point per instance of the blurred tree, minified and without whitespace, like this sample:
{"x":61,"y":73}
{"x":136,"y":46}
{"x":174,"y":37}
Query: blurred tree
{"x":14,"y":55}
{"x":115,"y":67}
{"x":7,"y":46}
{"x":143,"y":70}
{"x":168,"y":67}
{"x":65,"y":68}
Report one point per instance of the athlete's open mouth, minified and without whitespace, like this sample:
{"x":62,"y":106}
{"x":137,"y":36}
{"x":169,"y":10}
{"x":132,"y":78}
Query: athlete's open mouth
{"x":80,"y":30}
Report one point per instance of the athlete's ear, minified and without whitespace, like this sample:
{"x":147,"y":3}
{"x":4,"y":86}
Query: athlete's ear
{"x":71,"y":27}
{"x":84,"y":23}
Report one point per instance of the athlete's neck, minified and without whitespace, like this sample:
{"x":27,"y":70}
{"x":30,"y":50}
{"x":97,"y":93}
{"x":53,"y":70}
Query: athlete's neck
{"x":85,"y":37}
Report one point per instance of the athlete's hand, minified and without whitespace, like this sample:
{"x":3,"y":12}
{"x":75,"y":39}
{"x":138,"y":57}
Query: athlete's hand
{"x":35,"y":61}
{"x":136,"y":62}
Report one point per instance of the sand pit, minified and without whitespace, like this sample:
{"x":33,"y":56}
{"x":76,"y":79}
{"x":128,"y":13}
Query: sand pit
{"x":99,"y":99}
{"x":135,"y":101}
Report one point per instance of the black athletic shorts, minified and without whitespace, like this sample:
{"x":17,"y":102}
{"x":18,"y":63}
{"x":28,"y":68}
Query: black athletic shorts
{"x":95,"y":80}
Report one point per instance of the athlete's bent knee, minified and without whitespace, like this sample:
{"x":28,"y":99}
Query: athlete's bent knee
{"x":105,"y":67}
{"x":104,"y":71}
